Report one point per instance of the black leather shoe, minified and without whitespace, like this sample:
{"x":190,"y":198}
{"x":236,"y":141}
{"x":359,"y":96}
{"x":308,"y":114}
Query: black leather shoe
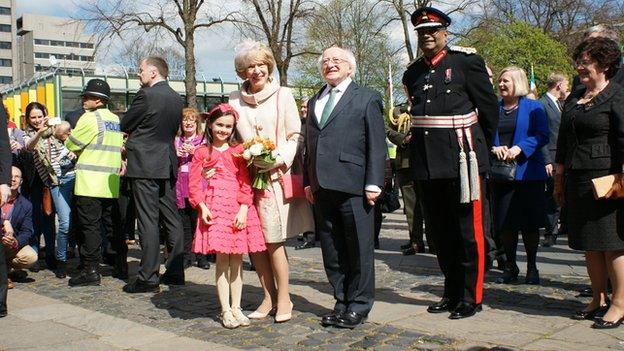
{"x":61,"y":270}
{"x":3,"y":314}
{"x":406,"y":246}
{"x":532,"y":277}
{"x":510,"y":274}
{"x":586,"y":292}
{"x":139,"y":286}
{"x":203,"y":263}
{"x":350,"y":320}
{"x":602,"y":324}
{"x":590,"y":315}
{"x":441,"y":306}
{"x":305,"y":245}
{"x":465,"y":310}
{"x":330,"y":319}
{"x":35,"y":267}
{"x":88,"y":277}
{"x":171,"y":280}
{"x":549,"y":240}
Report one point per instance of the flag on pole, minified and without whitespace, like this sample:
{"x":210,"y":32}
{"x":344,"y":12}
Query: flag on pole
{"x":532,"y":85}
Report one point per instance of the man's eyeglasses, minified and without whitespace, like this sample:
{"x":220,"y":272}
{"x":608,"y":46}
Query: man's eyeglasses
{"x":334,"y":60}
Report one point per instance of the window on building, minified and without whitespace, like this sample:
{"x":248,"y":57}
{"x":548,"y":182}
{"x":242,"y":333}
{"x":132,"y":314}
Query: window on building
{"x":72,"y":44}
{"x":42,"y":55}
{"x":42,"y":42}
{"x":5,"y":63}
{"x":86,"y":45}
{"x":86,"y":58}
{"x":6,"y":80}
{"x":5,"y":10}
{"x":57,"y":43}
{"x":5,"y":28}
{"x":5,"y":45}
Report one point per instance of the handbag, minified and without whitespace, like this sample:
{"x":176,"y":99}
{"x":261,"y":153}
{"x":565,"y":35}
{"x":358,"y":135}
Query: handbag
{"x":602,"y":185}
{"x":503,"y":171}
{"x":292,"y":184}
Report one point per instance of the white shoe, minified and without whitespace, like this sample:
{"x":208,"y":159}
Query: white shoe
{"x":242,"y":320}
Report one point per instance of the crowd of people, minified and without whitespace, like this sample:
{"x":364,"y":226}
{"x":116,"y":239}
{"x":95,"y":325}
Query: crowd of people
{"x":475,"y":172}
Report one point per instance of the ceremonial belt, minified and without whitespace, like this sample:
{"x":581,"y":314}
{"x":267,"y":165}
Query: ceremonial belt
{"x":469,"y":180}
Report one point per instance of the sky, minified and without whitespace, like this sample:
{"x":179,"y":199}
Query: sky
{"x":214,"y":51}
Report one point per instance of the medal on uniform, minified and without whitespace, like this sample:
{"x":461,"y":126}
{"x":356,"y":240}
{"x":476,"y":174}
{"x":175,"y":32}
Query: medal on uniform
{"x":448,"y":75}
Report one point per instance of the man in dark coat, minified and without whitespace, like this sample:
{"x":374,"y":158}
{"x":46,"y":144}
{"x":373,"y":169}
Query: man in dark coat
{"x":558,"y":86}
{"x":345,"y":157}
{"x":454,"y":118}
{"x":152,"y":122}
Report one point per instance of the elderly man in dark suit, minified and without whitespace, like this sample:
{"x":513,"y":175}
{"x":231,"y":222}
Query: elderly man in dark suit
{"x":558,"y":87}
{"x":152,"y":122}
{"x":345,"y":159}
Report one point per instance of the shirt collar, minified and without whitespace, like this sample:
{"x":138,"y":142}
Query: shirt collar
{"x":552,"y":97}
{"x":342,"y":86}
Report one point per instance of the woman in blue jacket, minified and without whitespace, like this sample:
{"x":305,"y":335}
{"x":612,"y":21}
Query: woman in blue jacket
{"x":518,"y":201}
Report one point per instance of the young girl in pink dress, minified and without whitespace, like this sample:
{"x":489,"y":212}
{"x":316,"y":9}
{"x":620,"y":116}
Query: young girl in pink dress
{"x":227,"y":224}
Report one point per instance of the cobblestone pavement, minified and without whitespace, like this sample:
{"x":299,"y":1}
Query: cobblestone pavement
{"x":515,"y":316}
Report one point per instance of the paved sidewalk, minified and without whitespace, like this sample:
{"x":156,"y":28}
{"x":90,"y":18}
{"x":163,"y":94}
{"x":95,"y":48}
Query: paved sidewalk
{"x":46,"y":314}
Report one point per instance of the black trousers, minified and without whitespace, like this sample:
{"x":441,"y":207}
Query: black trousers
{"x":345,"y":225}
{"x":3,"y":281}
{"x":155,"y":201}
{"x":127,"y":209}
{"x":95,"y":213}
{"x":188,"y":216}
{"x":552,"y":209}
{"x":458,"y":233}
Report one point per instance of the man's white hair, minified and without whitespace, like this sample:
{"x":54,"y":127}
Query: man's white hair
{"x":348,"y":54}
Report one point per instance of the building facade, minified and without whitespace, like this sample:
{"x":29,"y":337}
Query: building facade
{"x":8,"y":64}
{"x":47,"y":43}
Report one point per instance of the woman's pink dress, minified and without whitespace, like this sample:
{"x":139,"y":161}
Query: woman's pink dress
{"x":223,"y":194}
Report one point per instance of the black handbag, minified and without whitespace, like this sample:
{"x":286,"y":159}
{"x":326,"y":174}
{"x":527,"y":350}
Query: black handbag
{"x":503,"y":171}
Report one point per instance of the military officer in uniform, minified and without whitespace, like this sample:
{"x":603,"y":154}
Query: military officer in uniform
{"x":454,"y":115}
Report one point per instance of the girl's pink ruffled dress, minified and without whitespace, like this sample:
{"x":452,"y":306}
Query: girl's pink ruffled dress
{"x":223,"y":194}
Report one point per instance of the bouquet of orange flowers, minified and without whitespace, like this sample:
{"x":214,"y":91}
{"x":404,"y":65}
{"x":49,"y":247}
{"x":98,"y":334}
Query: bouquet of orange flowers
{"x":259,"y":148}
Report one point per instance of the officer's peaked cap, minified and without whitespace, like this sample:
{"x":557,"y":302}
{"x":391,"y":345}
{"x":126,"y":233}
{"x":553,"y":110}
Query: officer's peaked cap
{"x":430,"y":17}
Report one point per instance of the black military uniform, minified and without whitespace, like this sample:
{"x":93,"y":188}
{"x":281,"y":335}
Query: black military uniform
{"x":444,"y":93}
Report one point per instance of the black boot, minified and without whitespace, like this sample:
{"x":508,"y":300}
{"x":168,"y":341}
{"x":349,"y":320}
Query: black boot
{"x":88,"y":277}
{"x":61,"y":270}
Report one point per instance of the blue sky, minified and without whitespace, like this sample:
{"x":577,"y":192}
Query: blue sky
{"x":215,"y":56}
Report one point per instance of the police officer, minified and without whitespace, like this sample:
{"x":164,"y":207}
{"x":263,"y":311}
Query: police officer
{"x":454,"y":116}
{"x":97,"y":140}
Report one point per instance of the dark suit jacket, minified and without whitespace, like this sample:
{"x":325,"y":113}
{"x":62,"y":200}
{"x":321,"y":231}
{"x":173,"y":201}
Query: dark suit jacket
{"x":530,"y":134}
{"x":554,"y":120}
{"x":349,"y":152}
{"x":5,"y":150}
{"x":21,"y":220}
{"x":152,"y":122}
{"x":591,"y":136}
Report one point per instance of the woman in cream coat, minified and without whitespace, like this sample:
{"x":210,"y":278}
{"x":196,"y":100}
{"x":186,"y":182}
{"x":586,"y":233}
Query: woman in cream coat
{"x":270,"y":111}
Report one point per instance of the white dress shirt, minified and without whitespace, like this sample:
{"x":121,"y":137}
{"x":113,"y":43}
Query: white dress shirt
{"x":322,"y":100}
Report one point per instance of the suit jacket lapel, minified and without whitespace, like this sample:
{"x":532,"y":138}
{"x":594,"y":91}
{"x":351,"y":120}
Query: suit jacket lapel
{"x":311,"y":107}
{"x":344,"y":100}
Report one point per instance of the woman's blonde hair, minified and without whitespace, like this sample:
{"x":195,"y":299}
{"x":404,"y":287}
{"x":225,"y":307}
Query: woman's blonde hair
{"x":518,"y":78}
{"x":191,"y":113}
{"x":249,"y":52}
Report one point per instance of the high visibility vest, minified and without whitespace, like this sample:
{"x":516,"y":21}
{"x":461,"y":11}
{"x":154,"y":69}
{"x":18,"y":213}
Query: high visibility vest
{"x":98,"y":140}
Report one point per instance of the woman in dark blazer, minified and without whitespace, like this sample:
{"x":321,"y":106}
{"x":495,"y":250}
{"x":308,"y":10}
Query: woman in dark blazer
{"x":519,"y":204}
{"x":591,"y":145}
